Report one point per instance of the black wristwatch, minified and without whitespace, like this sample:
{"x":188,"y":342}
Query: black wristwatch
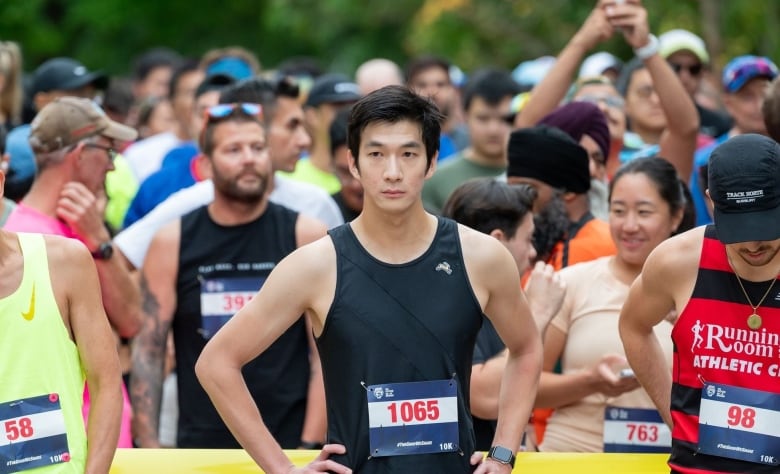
{"x":502,"y":455}
{"x":104,"y":251}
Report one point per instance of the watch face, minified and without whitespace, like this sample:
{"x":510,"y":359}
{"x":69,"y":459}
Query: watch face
{"x":501,"y":454}
{"x":104,"y":252}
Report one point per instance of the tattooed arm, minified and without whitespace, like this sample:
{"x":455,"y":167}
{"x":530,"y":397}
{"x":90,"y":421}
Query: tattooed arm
{"x":158,"y":295}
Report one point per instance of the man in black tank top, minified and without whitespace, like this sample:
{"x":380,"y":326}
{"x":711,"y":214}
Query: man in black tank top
{"x":203,"y":268}
{"x":396,"y":298}
{"x":722,"y":392}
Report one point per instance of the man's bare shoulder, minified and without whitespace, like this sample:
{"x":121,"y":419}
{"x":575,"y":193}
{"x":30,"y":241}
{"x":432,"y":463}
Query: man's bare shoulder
{"x":671,"y":267}
{"x":311,"y":271}
{"x":678,"y":253}
{"x":70,"y":265}
{"x":317,"y":256}
{"x":168,"y":236}
{"x":486,"y":259}
{"x":64,"y":251}
{"x":308,"y":230}
{"x":477,"y":245}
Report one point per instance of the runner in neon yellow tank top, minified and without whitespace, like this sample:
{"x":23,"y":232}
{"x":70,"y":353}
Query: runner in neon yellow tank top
{"x":50,"y":307}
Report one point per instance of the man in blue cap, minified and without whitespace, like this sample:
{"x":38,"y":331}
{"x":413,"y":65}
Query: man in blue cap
{"x":745,"y":79}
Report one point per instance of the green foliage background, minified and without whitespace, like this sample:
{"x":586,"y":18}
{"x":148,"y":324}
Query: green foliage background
{"x":108,"y":34}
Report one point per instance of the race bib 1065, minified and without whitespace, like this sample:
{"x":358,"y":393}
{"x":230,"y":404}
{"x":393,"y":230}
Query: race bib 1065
{"x":413,"y":418}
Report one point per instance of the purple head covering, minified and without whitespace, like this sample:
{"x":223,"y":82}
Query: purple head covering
{"x":578,"y":119}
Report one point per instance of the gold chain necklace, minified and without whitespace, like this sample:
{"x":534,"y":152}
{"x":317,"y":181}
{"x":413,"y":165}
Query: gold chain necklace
{"x":754,"y":320}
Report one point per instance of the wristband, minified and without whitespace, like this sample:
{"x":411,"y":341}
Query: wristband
{"x":310,"y":445}
{"x":649,"y":49}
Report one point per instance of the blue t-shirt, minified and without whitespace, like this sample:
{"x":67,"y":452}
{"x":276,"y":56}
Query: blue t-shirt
{"x":161,"y":184}
{"x":180,"y":155}
{"x":701,"y":158}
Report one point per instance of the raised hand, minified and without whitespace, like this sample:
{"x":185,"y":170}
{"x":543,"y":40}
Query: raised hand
{"x":631,"y":18}
{"x":83,"y":212}
{"x":545,"y":292}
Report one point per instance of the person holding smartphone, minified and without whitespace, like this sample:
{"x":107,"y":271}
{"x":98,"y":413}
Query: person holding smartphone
{"x":597,"y":399}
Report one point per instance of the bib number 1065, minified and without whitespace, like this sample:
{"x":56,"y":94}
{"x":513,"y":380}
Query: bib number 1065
{"x":414,"y":411}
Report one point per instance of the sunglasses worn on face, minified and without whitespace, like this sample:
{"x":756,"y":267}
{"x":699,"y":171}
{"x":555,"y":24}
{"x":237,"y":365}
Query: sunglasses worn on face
{"x":224,"y":110}
{"x":109,"y":151}
{"x":693,"y":70}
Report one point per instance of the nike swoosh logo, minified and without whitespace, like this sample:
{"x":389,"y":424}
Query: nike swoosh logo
{"x":30,"y":314}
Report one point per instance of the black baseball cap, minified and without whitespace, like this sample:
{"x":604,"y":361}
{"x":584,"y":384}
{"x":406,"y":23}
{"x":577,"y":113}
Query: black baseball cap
{"x":333,"y":89}
{"x":744,"y":185}
{"x":64,"y":74}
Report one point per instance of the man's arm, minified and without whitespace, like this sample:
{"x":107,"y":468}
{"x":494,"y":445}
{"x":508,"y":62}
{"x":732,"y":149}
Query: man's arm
{"x":545,"y":292}
{"x":678,"y":141}
{"x":72,"y":267}
{"x":496,"y":281}
{"x":546,"y":95}
{"x":308,"y":230}
{"x":135,"y":240}
{"x":315,"y":424}
{"x":158,"y":287}
{"x":286,"y":294}
{"x":486,"y":385}
{"x":668,"y":274}
{"x":80,"y":208}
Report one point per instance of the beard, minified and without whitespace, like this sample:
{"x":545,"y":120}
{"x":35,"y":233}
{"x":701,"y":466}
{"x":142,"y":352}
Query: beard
{"x":770,"y":255}
{"x":551,"y":225}
{"x":232,"y":190}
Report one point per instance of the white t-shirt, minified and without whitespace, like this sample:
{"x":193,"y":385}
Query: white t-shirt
{"x":146,"y":156}
{"x":304,"y":198}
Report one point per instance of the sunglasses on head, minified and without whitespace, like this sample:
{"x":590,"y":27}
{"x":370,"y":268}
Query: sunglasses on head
{"x":613,"y":101}
{"x":693,"y":70}
{"x":224,"y":110}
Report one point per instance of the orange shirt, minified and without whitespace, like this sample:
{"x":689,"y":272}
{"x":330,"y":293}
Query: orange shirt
{"x":590,"y":242}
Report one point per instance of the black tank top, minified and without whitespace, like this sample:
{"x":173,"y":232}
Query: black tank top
{"x":212,"y":255}
{"x":388,"y":323}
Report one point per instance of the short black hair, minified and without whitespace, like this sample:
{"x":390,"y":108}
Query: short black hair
{"x":338,"y":129}
{"x":393,"y":104}
{"x":152,"y":59}
{"x":258,"y":90}
{"x":627,"y":73}
{"x":491,"y":85}
{"x":423,"y":63}
{"x":297,"y":66}
{"x":214,"y":82}
{"x":486,"y":204}
{"x":185,"y":66}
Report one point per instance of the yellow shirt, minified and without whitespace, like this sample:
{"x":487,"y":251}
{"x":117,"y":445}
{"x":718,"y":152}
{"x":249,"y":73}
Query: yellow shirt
{"x":41,"y":376}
